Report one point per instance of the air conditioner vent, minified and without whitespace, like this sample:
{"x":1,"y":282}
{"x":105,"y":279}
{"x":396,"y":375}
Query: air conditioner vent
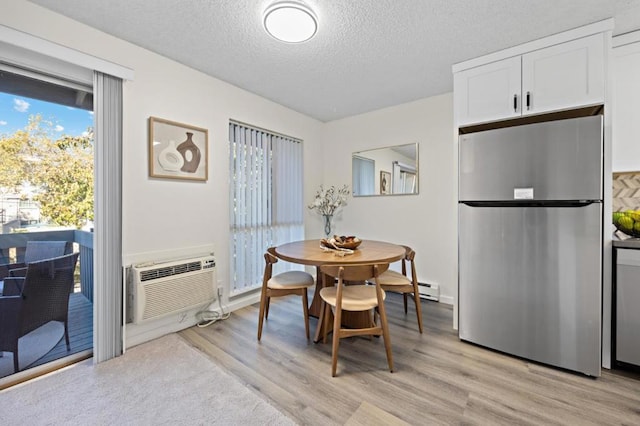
{"x":182,"y":268}
{"x":172,"y":287}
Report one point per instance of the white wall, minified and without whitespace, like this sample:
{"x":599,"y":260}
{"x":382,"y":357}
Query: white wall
{"x":427,"y":221}
{"x":165,"y":215}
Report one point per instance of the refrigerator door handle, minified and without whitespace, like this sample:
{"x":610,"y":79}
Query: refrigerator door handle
{"x":531,"y":203}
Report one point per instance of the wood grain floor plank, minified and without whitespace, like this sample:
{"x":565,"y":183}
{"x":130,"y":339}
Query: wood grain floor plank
{"x":278,"y":393}
{"x":438,"y":379}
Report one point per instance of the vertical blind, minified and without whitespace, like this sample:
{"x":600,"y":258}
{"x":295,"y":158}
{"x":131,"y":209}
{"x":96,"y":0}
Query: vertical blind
{"x":107,"y":255}
{"x":364,"y":178}
{"x":265,"y":200}
{"x":404,"y":178}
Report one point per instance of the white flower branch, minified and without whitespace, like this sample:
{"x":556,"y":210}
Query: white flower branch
{"x":328,"y":201}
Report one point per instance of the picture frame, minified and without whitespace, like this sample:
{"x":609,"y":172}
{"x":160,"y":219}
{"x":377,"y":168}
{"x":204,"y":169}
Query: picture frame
{"x":385,"y":182}
{"x":177,"y":150}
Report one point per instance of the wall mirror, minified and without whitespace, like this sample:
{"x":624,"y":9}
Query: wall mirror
{"x":391,"y":170}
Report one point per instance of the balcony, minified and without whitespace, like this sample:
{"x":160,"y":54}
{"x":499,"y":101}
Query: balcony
{"x":12,"y":247}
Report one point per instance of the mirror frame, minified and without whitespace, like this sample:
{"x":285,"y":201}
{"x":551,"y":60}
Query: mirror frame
{"x":398,"y":163}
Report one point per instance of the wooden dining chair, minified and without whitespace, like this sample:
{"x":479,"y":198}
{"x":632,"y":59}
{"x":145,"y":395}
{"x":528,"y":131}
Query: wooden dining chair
{"x":356,"y":297}
{"x":283,"y":284}
{"x":401,"y":283}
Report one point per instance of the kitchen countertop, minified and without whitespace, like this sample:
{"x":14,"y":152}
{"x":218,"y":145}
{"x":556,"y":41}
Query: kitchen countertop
{"x":625,"y":242}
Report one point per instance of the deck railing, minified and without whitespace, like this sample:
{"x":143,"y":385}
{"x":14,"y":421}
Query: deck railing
{"x":83,"y":239}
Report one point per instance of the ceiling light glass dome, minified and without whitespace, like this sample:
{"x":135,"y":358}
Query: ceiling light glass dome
{"x":290,"y":22}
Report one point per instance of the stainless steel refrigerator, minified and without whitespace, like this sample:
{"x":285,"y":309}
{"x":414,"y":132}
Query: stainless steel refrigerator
{"x":530,"y":241}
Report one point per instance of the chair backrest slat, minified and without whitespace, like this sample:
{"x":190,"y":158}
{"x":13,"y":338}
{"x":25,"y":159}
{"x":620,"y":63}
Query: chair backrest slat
{"x":46,"y":290}
{"x":41,"y":250}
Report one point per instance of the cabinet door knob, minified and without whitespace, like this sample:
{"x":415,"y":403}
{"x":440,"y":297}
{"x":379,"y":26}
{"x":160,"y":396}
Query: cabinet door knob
{"x":528,"y":101}
{"x":515,"y":103}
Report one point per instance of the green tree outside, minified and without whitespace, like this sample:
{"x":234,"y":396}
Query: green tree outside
{"x":61,"y":170}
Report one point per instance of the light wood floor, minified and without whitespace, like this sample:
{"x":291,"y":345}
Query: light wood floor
{"x":437,"y":380}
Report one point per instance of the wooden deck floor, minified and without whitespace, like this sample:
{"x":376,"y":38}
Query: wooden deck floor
{"x":80,"y":339}
{"x":80,"y":330}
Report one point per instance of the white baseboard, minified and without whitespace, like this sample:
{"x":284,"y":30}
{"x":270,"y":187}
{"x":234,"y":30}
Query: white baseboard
{"x":447,"y":300}
{"x":140,"y":333}
{"x":241,"y":302}
{"x":136,"y":334}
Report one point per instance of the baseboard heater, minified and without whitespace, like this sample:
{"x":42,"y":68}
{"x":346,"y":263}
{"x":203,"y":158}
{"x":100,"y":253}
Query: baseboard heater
{"x":161,"y":289}
{"x":429,"y":291}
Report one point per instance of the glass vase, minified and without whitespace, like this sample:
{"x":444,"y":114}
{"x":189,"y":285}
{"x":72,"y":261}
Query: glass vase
{"x":327,"y":225}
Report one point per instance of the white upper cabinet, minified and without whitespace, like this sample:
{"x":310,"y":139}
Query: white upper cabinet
{"x":626,"y":112}
{"x":564,"y":76}
{"x":560,"y":72}
{"x":490,"y":92}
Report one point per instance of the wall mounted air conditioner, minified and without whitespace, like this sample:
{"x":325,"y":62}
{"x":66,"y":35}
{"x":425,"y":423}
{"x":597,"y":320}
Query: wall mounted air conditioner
{"x":171,"y":287}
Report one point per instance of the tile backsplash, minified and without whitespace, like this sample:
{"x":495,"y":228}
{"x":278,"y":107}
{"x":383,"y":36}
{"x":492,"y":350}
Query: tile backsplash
{"x":626,"y":191}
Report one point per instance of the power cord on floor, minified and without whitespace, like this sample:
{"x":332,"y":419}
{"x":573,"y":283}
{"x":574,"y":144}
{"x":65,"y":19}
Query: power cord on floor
{"x":206,"y":317}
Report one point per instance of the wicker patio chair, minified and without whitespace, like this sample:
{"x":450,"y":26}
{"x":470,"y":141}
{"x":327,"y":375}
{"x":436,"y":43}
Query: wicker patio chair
{"x":35,"y":251}
{"x":34,"y":300}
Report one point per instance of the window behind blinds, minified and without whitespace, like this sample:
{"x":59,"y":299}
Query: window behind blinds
{"x":265,"y":199}
{"x":363,"y":176}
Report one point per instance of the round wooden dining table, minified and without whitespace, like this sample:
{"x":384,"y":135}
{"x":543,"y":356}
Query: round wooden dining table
{"x":310,"y":252}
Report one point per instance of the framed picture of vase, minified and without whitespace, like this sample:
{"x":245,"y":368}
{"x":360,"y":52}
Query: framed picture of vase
{"x":177,"y":151}
{"x":385,"y":182}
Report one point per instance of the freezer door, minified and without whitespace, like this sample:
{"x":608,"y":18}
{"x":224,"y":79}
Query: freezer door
{"x":530,"y":282}
{"x":558,"y":160}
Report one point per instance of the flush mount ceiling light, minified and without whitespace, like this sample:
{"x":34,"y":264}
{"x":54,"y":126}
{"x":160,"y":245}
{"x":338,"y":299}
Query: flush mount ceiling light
{"x":290,"y":21}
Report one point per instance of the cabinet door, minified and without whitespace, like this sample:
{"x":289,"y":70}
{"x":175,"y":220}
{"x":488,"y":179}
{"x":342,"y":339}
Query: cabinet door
{"x":488,"y":92}
{"x":564,"y":76}
{"x":626,"y":114}
{"x":627,"y":300}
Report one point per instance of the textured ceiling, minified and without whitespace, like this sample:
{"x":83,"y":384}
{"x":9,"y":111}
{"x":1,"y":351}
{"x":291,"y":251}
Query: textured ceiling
{"x":367,"y":54}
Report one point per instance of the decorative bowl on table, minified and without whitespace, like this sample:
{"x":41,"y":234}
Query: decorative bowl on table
{"x":341,"y":242}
